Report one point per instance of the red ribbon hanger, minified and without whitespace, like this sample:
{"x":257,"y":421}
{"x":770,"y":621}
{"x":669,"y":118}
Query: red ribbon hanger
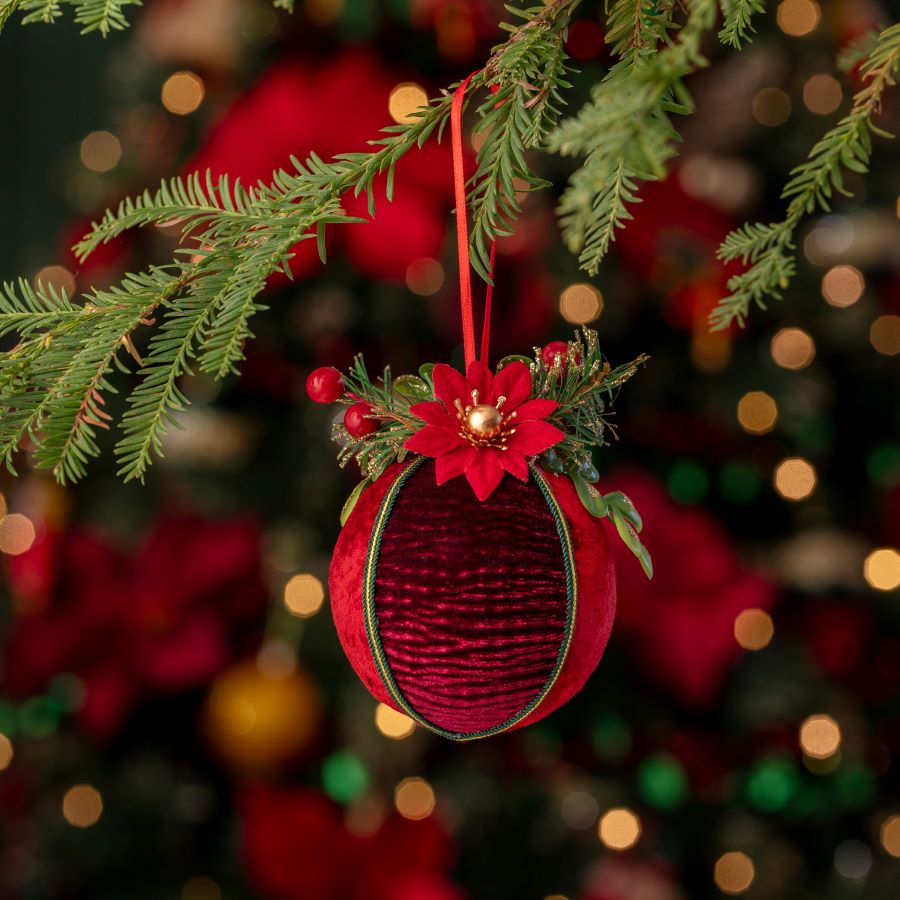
{"x":462,"y":239}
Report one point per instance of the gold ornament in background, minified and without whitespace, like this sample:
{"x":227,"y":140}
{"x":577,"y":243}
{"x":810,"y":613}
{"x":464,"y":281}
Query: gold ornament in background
{"x":256,"y":721}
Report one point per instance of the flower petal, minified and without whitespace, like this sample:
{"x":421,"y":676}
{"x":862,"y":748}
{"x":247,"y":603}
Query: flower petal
{"x":514,"y":383}
{"x":484,"y":472}
{"x":434,"y":413}
{"x":434,"y":441}
{"x":535,"y":409}
{"x":534,"y":437}
{"x":453,"y":464}
{"x":480,"y":379}
{"x":514,"y":463}
{"x":449,"y":386}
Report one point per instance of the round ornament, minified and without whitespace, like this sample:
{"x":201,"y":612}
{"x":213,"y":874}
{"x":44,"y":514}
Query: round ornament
{"x":472,"y":617}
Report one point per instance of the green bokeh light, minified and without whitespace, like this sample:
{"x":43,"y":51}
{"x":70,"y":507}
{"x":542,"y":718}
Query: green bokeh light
{"x":344,"y":777}
{"x":662,"y":781}
{"x":772,"y":783}
{"x":738,"y":483}
{"x":688,"y":483}
{"x":611,"y":737}
{"x":883,"y":465}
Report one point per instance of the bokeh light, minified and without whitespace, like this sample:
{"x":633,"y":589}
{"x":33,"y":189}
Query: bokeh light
{"x":852,"y":859}
{"x":425,"y":276}
{"x":414,"y":798}
{"x":820,"y":736}
{"x":771,"y":107}
{"x":580,"y":303}
{"x":579,"y":810}
{"x":201,"y":888}
{"x":792,"y":348}
{"x":734,"y":872}
{"x":404,"y":100}
{"x":392,"y":723}
{"x":619,"y":828}
{"x":57,"y":277}
{"x":795,"y":478}
{"x":16,"y":534}
{"x":304,"y":595}
{"x":182,"y":93}
{"x":822,"y":94}
{"x":324,"y":12}
{"x":753,"y":629}
{"x":885,"y":335}
{"x":6,"y":752}
{"x":889,"y":835}
{"x":101,"y":151}
{"x":82,"y":806}
{"x":843,"y":285}
{"x":757,"y":412}
{"x":798,"y":17}
{"x":882,"y":569}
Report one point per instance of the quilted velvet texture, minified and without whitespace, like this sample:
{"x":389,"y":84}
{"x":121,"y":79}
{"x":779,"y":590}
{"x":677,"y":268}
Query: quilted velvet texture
{"x":470,"y":598}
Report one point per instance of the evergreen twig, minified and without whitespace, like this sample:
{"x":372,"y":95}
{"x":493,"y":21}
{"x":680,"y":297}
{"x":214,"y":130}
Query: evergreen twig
{"x":769,"y":248}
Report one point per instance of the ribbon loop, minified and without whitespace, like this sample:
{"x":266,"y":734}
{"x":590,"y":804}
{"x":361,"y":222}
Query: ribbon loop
{"x":462,"y":238}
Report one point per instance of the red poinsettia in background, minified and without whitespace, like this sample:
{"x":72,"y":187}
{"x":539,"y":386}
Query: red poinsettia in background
{"x":680,"y":625}
{"x":297,"y":846}
{"x":165,"y":617}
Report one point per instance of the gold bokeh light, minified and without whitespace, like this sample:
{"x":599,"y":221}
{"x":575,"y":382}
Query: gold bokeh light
{"x":101,"y":151}
{"x":82,"y":806}
{"x":798,"y":17}
{"x":795,"y":478}
{"x":885,"y":335}
{"x":820,"y":736}
{"x":753,"y":629}
{"x":843,"y":285}
{"x":304,"y":595}
{"x":414,"y":798}
{"x":16,"y":534}
{"x":404,"y":100}
{"x":580,"y":303}
{"x":6,"y":752}
{"x":392,"y":723}
{"x":57,"y":277}
{"x":771,"y":107}
{"x":822,"y":94}
{"x":734,"y":872}
{"x":425,"y":276}
{"x":757,"y":412}
{"x":882,"y":569}
{"x":793,"y":348}
{"x":619,"y":828}
{"x":890,"y":835}
{"x":182,"y":93}
{"x":201,"y":888}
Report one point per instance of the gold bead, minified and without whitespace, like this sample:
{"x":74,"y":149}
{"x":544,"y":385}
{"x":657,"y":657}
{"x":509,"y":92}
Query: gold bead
{"x":484,"y":421}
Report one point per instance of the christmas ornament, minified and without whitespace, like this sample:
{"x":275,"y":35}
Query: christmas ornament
{"x":472,"y":586}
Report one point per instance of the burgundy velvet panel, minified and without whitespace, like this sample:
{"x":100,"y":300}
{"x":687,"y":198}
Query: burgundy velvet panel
{"x":470,"y":599}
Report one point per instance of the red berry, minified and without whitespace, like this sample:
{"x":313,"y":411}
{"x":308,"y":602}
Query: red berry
{"x":324,"y":385}
{"x":548,"y":354}
{"x":356,"y":421}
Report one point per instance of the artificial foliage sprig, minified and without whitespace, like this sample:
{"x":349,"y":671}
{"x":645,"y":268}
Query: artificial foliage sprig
{"x":769,"y":249}
{"x":54,"y":381}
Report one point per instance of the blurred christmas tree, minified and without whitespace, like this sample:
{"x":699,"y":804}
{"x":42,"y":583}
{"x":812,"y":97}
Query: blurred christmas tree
{"x":177,"y":717}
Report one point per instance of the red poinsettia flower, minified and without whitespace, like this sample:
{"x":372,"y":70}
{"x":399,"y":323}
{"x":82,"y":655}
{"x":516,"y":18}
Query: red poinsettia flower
{"x":483,"y":425}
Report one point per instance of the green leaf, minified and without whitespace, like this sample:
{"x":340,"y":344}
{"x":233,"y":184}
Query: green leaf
{"x":352,"y":500}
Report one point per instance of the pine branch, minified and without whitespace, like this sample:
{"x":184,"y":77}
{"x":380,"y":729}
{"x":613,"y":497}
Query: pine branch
{"x":770,"y":249}
{"x":102,"y":15}
{"x":529,"y":74}
{"x":624,"y":131}
{"x":737,"y":28}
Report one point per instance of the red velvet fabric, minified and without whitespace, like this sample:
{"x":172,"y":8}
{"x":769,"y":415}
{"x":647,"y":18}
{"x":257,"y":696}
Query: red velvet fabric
{"x":470,"y":597}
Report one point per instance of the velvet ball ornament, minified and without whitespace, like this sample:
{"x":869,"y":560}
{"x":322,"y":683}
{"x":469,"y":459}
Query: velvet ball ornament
{"x":472,"y":617}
